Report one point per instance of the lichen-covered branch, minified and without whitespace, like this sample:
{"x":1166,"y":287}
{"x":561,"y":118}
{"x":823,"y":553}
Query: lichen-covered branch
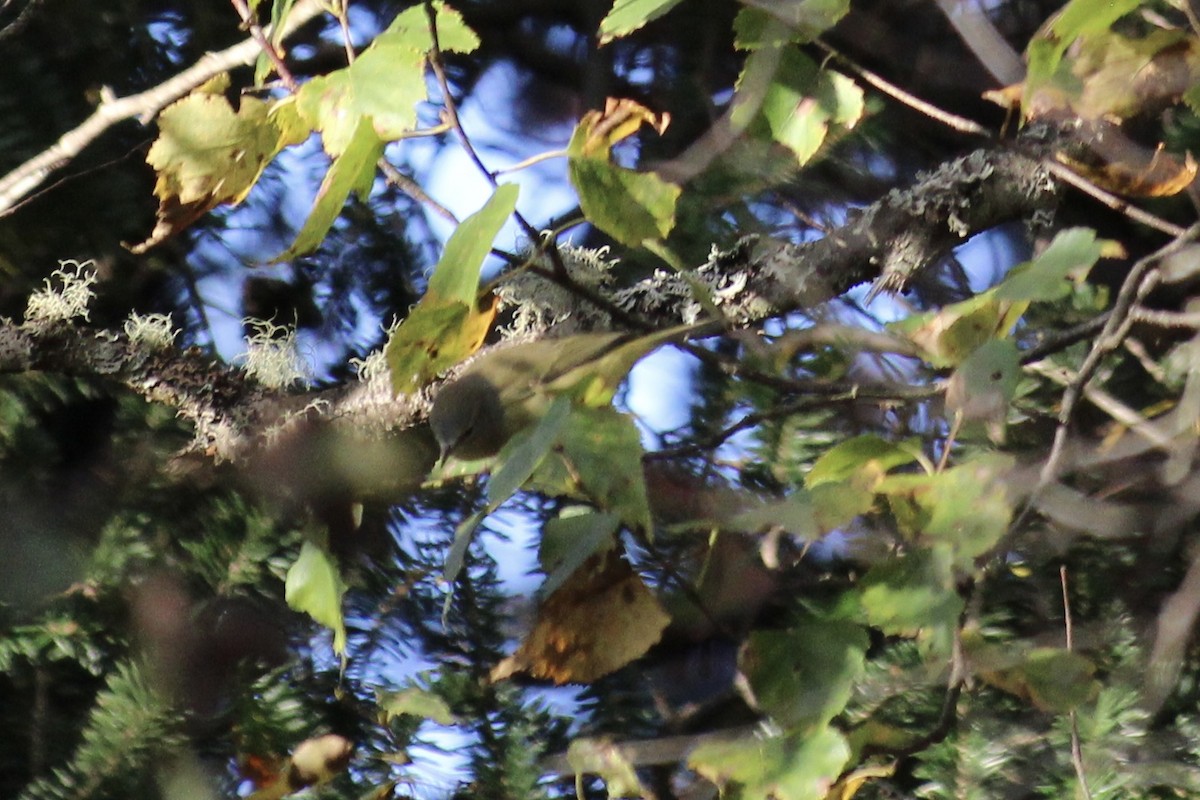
{"x":239,"y":419}
{"x":891,"y":241}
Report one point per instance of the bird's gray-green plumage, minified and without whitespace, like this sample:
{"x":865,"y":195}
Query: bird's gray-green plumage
{"x":508,"y":389}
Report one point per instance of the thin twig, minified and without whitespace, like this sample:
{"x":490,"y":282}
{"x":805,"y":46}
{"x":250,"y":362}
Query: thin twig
{"x":264,"y":43}
{"x":1066,"y":175}
{"x":1061,"y":341}
{"x":1076,"y":747}
{"x":1137,"y":284}
{"x":953,"y":121}
{"x":451,"y":111}
{"x":343,"y":17}
{"x":529,"y":162}
{"x":414,"y":190}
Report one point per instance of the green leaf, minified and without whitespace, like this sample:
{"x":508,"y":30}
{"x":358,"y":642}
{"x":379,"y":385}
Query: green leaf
{"x":385,"y":83}
{"x":457,"y":554}
{"x":599,"y":460}
{"x":790,"y":767}
{"x":570,"y":539}
{"x":629,"y":206}
{"x":913,"y":594}
{"x":801,"y":106}
{"x":206,"y":149}
{"x":847,"y":459}
{"x":803,"y":676}
{"x":447,"y":326}
{"x":1072,"y":254}
{"x":352,"y":171}
{"x":1076,"y":19}
{"x":415,"y":702}
{"x":207,"y":154}
{"x":410,"y":29}
{"x":523,"y":454}
{"x":314,"y":587}
{"x":950,"y":334}
{"x":456,"y":276}
{"x":797,"y":21}
{"x":965,"y":507}
{"x":627,"y":16}
{"x":425,"y":344}
{"x":984,"y":384}
{"x":279,"y":11}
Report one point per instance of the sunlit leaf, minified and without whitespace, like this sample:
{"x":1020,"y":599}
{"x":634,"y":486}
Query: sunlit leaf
{"x":789,"y":767}
{"x":456,"y":276}
{"x":802,"y":105}
{"x":429,"y":340}
{"x":1146,"y":173}
{"x":627,"y":16}
{"x":447,"y":326}
{"x":314,"y":587}
{"x":1077,"y":18}
{"x":851,"y":457}
{"x":352,"y":171}
{"x":385,"y":83}
{"x":1071,"y":254}
{"x":207,"y":154}
{"x":781,"y":23}
{"x":950,"y":334}
{"x":416,"y":702}
{"x":629,"y":206}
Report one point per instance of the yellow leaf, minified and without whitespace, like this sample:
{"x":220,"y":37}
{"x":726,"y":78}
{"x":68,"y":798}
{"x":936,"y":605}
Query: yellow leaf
{"x":619,"y":120}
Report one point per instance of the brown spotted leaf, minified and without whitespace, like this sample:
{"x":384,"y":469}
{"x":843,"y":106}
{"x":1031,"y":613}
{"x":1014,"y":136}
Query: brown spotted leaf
{"x":601,"y":618}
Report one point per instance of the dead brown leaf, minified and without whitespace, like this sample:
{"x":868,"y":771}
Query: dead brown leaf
{"x":601,"y":618}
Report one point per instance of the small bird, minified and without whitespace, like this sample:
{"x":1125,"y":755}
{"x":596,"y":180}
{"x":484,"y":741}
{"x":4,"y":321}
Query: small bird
{"x":510,"y":388}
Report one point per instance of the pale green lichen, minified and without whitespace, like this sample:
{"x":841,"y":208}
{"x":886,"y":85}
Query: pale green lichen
{"x":152,"y":331}
{"x":66,"y":295}
{"x":374,"y":366}
{"x":538,"y":304}
{"x":273,"y":355}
